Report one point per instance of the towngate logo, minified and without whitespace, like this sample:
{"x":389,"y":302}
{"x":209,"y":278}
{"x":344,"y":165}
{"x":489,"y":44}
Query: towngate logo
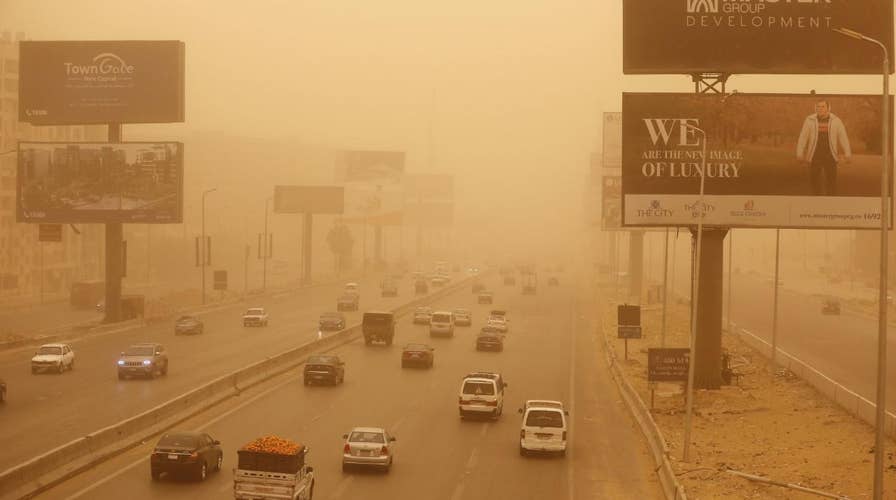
{"x":105,"y":64}
{"x":707,"y":6}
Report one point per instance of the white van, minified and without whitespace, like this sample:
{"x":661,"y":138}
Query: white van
{"x":481,"y":394}
{"x":544,"y":427}
{"x":441,"y":324}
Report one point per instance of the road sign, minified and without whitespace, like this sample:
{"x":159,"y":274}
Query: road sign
{"x":628,"y":315}
{"x":49,"y":232}
{"x":629,"y":332}
{"x":220,"y":280}
{"x":668,"y":364}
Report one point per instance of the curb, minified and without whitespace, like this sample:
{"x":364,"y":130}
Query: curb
{"x":672,"y":489}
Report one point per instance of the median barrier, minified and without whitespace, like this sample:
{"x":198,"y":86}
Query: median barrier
{"x":54,"y":466}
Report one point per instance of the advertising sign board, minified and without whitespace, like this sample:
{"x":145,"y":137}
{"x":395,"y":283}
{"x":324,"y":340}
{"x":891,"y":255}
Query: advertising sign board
{"x":83,"y":82}
{"x":668,"y":364}
{"x":309,"y":199}
{"x":628,"y":332}
{"x":773,"y":160}
{"x":754,"y":36}
{"x":95,"y":182}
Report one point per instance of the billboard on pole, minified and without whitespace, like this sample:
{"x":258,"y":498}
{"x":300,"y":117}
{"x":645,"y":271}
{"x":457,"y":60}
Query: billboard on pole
{"x":83,"y":82}
{"x":754,"y":36}
{"x":773,"y":160}
{"x":309,"y":199}
{"x":69,"y":182}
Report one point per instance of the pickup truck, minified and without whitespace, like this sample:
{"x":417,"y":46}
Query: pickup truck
{"x":272,"y":467}
{"x":255,"y":316}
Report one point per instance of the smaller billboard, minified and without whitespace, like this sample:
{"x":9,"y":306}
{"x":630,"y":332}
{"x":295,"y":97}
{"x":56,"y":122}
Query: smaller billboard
{"x":96,"y":182}
{"x":668,"y":364}
{"x":309,"y":199}
{"x":372,"y":167}
{"x":85,"y":82}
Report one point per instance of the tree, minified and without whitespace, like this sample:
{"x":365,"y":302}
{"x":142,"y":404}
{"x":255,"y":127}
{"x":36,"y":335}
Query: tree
{"x":341,"y":243}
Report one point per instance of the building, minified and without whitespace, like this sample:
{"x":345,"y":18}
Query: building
{"x":29,"y":268}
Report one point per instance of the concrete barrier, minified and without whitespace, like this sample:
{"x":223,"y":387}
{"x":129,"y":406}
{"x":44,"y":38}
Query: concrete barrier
{"x":75,"y":456}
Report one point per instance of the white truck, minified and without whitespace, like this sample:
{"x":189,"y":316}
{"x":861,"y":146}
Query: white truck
{"x":255,"y":316}
{"x":260,"y":475}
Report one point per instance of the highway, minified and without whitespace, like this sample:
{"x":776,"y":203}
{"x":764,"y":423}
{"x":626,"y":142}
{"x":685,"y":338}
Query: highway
{"x":53,"y":409}
{"x":551,"y":352}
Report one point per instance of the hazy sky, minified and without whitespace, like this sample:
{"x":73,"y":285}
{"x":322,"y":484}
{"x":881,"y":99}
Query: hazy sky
{"x":511,"y":91}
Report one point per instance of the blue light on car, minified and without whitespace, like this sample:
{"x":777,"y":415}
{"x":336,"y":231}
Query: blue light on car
{"x":120,"y":362}
{"x":147,"y":362}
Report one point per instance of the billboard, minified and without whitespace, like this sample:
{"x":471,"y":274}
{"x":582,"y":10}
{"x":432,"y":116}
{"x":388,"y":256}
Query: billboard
{"x":84,"y":82}
{"x":611,"y":148}
{"x":69,"y":182}
{"x":754,"y":36}
{"x":611,"y":202}
{"x":773,"y":160}
{"x":373,"y":167}
{"x":309,"y":199}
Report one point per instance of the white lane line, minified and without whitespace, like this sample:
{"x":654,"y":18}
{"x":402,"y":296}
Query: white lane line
{"x":469,"y":466}
{"x":570,"y":450}
{"x":341,"y":488}
{"x":202,"y":427}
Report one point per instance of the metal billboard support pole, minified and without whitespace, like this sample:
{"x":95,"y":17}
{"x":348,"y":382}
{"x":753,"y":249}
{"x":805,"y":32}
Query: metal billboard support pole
{"x":114,"y":232}
{"x":730,"y":276}
{"x":775,"y":313}
{"x":265,"y":249}
{"x":204,"y":244}
{"x":665,"y":285}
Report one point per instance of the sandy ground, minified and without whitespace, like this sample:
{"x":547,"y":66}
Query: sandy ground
{"x":769,"y":424}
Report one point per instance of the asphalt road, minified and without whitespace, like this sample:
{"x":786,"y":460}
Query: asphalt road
{"x":53,"y":409}
{"x":843,"y":347}
{"x":551,"y":352}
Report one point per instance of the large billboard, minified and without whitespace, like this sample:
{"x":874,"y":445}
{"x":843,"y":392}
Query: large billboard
{"x":754,"y":36}
{"x":84,"y":82}
{"x":372,"y":167}
{"x":773,"y":160}
{"x":84,"y":182}
{"x":309,"y":199}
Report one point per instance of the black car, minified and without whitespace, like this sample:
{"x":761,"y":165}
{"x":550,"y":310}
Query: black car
{"x":417,"y":355}
{"x":143,"y":360}
{"x":331,"y":321}
{"x":490,"y":339}
{"x":193,"y":453}
{"x":324,"y":368}
{"x":188,"y":325}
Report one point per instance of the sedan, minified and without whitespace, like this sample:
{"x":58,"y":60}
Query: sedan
{"x":368,"y":446}
{"x":332,"y":321}
{"x":53,"y":357}
{"x":484,"y":298}
{"x":422,"y":315}
{"x":188,"y":325}
{"x":193,"y":453}
{"x":489,"y":339}
{"x":417,"y":355}
{"x":462,"y":317}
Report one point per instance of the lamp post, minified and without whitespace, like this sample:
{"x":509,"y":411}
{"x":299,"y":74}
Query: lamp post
{"x":880,"y":415}
{"x":696,"y":301}
{"x":204,"y":255}
{"x":264,"y":247}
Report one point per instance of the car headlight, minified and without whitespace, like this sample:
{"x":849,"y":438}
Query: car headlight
{"x":147,"y":362}
{"x":120,"y":362}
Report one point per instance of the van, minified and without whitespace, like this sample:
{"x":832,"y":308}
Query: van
{"x":378,"y":326}
{"x":441,"y":324}
{"x":544,"y":427}
{"x":481,"y":394}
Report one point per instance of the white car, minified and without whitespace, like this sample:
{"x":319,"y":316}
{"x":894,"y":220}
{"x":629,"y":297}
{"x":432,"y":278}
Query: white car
{"x":353,"y":288}
{"x":369,"y":447}
{"x":482,"y":394}
{"x":498,"y":322}
{"x":53,"y":357}
{"x":544,"y":427}
{"x":422,"y":315}
{"x":255,"y":316}
{"x":441,"y":324}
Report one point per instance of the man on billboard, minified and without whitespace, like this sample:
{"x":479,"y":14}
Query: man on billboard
{"x":822,"y":145}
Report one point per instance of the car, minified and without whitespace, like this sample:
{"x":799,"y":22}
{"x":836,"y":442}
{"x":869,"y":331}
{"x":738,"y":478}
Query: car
{"x":439,"y":280}
{"x":544,"y":427}
{"x":498,"y":322}
{"x":53,"y":357}
{"x":378,"y":326}
{"x":489,"y":339}
{"x":2,"y":391}
{"x":422,"y":315}
{"x":509,"y":280}
{"x":482,"y":394}
{"x":417,"y":354}
{"x":188,"y":325}
{"x":462,"y":317}
{"x":553,"y":281}
{"x":324,"y":368}
{"x":484,"y":297}
{"x":368,"y":447}
{"x":347,"y":302}
{"x":193,"y":453}
{"x":420,"y":287}
{"x":477,"y":287}
{"x":255,"y":316}
{"x":389,"y":289}
{"x":352,"y":287}
{"x":441,"y":324}
{"x":331,"y":321}
{"x":100,"y":306}
{"x":831,"y":306}
{"x":145,"y":360}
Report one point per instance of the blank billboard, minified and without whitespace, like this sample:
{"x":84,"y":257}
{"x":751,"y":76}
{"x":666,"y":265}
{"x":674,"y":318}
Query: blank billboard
{"x":308,"y":199}
{"x":772,"y":160}
{"x":69,"y":182}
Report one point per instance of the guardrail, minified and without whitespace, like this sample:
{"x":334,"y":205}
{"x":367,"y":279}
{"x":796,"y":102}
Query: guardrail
{"x":53,"y":467}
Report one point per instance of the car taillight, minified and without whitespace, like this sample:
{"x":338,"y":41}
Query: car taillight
{"x":384,"y":450}
{"x":347,"y":449}
{"x":195,"y":454}
{"x":564,"y":435}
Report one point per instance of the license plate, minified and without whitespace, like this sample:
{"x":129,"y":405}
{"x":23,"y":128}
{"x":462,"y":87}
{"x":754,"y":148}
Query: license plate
{"x":318,"y":376}
{"x":415,"y":356}
{"x":365,"y":453}
{"x":172,"y":457}
{"x":133,"y":369}
{"x":545,"y":436}
{"x":478,"y":403}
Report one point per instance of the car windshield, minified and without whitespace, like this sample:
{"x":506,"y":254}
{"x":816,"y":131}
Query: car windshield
{"x":321,"y":360}
{"x":178,"y":441}
{"x":55,"y":350}
{"x":367,"y":437}
{"x":423,"y":310}
{"x":330,"y":315}
{"x":441,"y":318}
{"x":140,"y":350}
{"x":461,"y":312}
{"x":479,"y":388}
{"x":544,"y":418}
{"x":256,"y":311}
{"x":377,"y":319}
{"x":185,"y":318}
{"x":416,"y":347}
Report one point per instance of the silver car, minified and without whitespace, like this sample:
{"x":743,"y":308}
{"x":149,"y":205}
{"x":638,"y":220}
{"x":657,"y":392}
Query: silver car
{"x":368,"y":446}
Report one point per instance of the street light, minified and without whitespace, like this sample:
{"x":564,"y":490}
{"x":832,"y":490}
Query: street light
{"x":695,"y":300}
{"x":264,"y":246}
{"x":882,"y":298}
{"x":203,"y":246}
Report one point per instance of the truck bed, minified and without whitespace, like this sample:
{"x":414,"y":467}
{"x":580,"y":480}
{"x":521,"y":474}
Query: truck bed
{"x":252,"y":484}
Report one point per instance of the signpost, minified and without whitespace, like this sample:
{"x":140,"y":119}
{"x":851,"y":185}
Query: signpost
{"x":628,"y":320}
{"x":220,"y":280}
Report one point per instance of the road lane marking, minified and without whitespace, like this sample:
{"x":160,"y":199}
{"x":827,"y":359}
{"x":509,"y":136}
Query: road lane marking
{"x":341,"y":488}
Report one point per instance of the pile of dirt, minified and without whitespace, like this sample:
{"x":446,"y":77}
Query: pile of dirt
{"x":768,"y":423}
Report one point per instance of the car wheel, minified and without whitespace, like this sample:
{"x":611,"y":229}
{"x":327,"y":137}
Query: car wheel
{"x":203,"y":471}
{"x":523,"y":451}
{"x":463,"y":414}
{"x":432,"y":362}
{"x":71,"y":366}
{"x":33,"y":370}
{"x":60,"y":368}
{"x":219,"y":463}
{"x":154,"y":474}
{"x":344,"y":467}
{"x":311,"y":491}
{"x":563,"y":452}
{"x":121,"y":376}
{"x":2,"y":396}
{"x":403,"y":364}
{"x":307,"y":382}
{"x":165,"y":370}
